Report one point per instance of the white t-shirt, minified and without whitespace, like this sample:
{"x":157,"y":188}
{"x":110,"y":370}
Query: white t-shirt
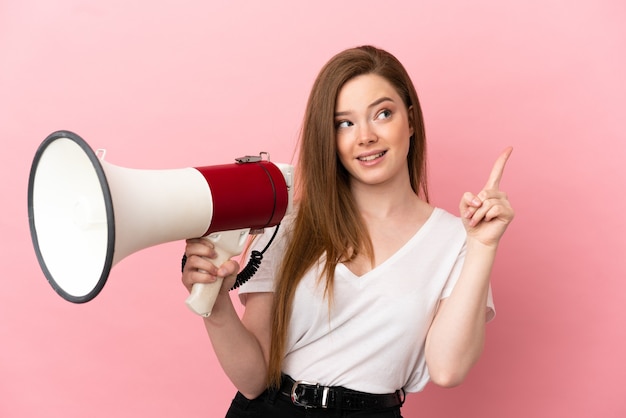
{"x":372,"y":340}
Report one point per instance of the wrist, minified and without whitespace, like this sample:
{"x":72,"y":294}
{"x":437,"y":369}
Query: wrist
{"x":474,"y":244}
{"x":223,"y":308}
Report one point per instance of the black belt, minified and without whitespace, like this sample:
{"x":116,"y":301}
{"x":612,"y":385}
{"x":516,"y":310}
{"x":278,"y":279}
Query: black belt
{"x":313,"y":395}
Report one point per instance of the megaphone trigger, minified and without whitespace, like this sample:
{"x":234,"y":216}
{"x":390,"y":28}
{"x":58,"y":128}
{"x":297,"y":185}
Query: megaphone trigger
{"x":227,"y":245}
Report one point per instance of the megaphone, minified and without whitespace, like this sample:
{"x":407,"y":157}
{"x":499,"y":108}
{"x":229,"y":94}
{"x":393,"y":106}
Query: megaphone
{"x":86,"y":214}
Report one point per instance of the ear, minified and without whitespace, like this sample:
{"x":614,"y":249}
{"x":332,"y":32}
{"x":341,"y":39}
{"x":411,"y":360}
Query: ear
{"x":411,"y":120}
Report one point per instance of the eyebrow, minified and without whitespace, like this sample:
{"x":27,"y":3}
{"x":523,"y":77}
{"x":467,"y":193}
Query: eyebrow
{"x":373,"y":104}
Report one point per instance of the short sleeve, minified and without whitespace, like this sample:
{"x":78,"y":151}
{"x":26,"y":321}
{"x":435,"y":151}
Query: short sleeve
{"x":263,"y":278}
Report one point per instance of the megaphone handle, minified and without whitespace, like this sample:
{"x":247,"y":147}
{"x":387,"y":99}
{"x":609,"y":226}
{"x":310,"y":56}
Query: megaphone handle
{"x":227,"y":244}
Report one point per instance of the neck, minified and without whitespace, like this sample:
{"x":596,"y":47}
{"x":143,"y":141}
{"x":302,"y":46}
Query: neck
{"x":384,"y":200}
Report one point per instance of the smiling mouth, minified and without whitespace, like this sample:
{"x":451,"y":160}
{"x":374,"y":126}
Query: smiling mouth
{"x":372,"y":157}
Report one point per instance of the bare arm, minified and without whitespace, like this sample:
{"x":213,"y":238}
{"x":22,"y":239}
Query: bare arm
{"x":456,"y":337}
{"x":241,"y":345}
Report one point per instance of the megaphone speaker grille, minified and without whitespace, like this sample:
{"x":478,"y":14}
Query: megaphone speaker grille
{"x":71,"y":216}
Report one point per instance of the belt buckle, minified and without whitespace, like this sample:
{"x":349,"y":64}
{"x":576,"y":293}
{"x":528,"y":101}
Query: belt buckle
{"x":296,"y":400}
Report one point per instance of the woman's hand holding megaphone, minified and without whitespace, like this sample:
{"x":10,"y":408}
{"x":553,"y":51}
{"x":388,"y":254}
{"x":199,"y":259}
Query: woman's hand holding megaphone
{"x":209,"y":272}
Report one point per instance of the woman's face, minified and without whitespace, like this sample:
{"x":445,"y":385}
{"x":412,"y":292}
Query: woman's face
{"x":372,"y":130}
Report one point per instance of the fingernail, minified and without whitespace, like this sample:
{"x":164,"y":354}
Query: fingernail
{"x":476,"y":201}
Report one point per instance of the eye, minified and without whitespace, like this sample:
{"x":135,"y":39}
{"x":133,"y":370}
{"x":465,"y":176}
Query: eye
{"x":384,"y":114}
{"x":343,"y":124}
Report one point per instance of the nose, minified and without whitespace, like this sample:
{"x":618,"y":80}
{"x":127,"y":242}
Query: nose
{"x":366,"y":135}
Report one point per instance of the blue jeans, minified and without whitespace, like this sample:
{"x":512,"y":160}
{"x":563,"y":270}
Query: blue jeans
{"x":278,"y":405}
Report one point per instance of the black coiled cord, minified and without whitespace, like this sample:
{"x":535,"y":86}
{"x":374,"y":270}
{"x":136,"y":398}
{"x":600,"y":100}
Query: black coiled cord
{"x":253,"y":263}
{"x":248,"y":271}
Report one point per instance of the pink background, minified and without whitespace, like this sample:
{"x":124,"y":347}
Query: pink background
{"x":171,"y":84}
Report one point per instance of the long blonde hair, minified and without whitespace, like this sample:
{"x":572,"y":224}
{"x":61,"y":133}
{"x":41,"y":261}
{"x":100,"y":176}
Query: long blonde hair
{"x":327,"y":222}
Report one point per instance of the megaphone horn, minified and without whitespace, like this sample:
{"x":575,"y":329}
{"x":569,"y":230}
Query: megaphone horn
{"x":86,"y":214}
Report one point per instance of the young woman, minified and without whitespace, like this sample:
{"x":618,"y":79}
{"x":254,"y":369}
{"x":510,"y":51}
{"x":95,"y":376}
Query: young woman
{"x":368,"y":291}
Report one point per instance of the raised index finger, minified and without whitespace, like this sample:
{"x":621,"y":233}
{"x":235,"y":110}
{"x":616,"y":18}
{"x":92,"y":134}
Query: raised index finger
{"x":498,"y":169}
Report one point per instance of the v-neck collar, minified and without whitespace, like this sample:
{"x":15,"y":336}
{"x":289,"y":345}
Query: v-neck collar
{"x":344,"y":271}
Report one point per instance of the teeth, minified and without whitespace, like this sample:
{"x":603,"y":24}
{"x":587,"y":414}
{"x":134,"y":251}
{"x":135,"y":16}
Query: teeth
{"x":371,"y":157}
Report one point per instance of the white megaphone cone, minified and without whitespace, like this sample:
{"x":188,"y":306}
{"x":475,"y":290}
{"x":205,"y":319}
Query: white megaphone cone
{"x":86,"y":215}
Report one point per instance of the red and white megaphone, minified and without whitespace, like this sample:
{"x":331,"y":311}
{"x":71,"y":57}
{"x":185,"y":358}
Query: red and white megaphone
{"x":86,"y":215}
